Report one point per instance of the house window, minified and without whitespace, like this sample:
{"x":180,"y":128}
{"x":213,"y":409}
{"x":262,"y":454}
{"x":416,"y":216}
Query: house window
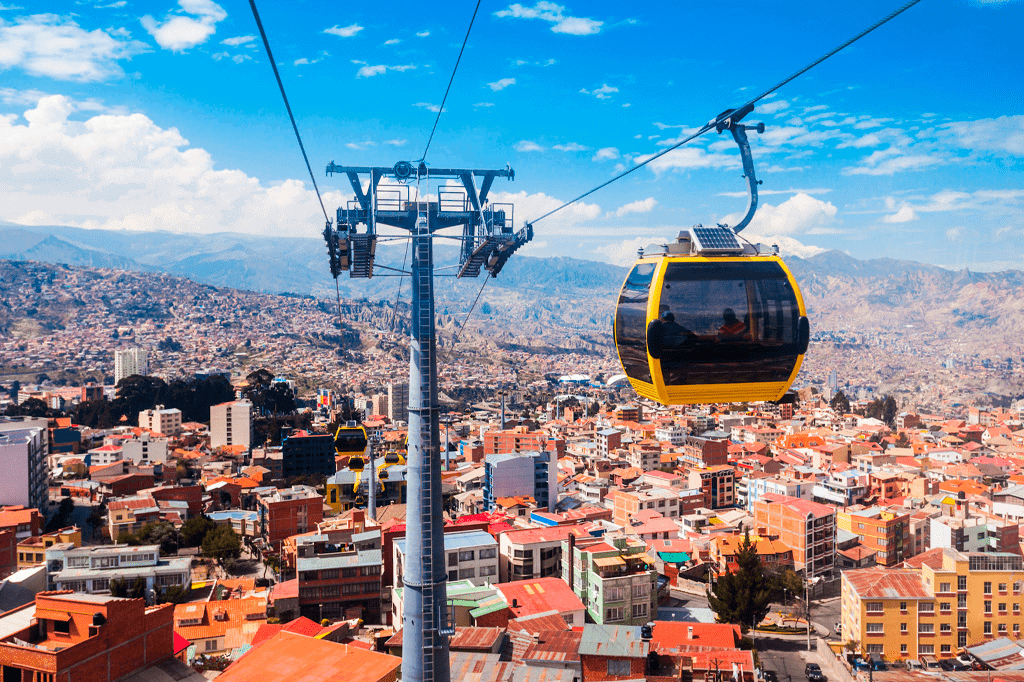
{"x":641,"y":591}
{"x":488,"y":570}
{"x":903,"y":649}
{"x":614,"y":594}
{"x":988,"y":627}
{"x":874,"y":648}
{"x":988,"y":588}
{"x":613,"y":614}
{"x":988,"y":606}
{"x":926,"y":628}
{"x":1002,"y":607}
{"x":961,"y":583}
{"x":618,"y":668}
{"x":1002,"y":628}
{"x":640,"y":610}
{"x":927,"y":607}
{"x":944,"y":606}
{"x":903,"y":628}
{"x":873,"y":628}
{"x":903,"y":606}
{"x":945,"y":648}
{"x":943,"y":587}
{"x":945,"y":627}
{"x":926,"y":649}
{"x":211,"y":645}
{"x":453,"y":559}
{"x":876,"y":606}
{"x":1016,"y":608}
{"x":1002,"y":587}
{"x":62,"y":627}
{"x":467,"y":573}
{"x":467,"y":555}
{"x":488,"y":553}
{"x":961,"y":639}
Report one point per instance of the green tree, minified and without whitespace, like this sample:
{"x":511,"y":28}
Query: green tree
{"x":63,"y":517}
{"x":222,"y":543}
{"x":743,"y":597}
{"x":840,"y":403}
{"x":120,"y":587}
{"x":195,"y":529}
{"x":174,"y":594}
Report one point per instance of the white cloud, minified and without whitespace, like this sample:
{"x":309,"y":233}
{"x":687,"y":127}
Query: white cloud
{"x":528,"y":146}
{"x":344,"y":31}
{"x":393,"y":41}
{"x":423,"y":34}
{"x":904,"y":215}
{"x":126,"y":172}
{"x":370,"y":70}
{"x":555,"y":15}
{"x":800,"y":214}
{"x":570,"y":147}
{"x":9,"y":8}
{"x":179,"y":32}
{"x":238,"y":40}
{"x":606,"y":154}
{"x":57,"y":47}
{"x":428,"y":106}
{"x":686,"y":158}
{"x":603,"y":92}
{"x":113,"y":5}
{"x":641,"y":206}
{"x":954,"y":233}
{"x":501,"y":84}
{"x":625,"y":252}
{"x":772,"y":107}
{"x":890,"y":161}
{"x":788,"y":246}
{"x":1004,"y":134}
{"x":566,"y":221}
{"x":484,"y":104}
{"x":396,"y":142}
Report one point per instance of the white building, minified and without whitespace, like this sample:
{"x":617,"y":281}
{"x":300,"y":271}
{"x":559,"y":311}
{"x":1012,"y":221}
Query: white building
{"x":105,"y":454}
{"x":231,"y":424}
{"x":90,"y":569}
{"x":23,"y":479}
{"x":672,"y":433}
{"x":167,"y":422}
{"x":145,"y":450}
{"x":469,"y":555}
{"x":129,"y":362}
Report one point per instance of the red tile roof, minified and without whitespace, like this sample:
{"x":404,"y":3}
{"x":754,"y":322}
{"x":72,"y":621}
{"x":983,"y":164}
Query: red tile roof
{"x":538,"y":596}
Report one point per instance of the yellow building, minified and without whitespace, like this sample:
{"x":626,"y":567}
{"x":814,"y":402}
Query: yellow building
{"x":952,"y":601}
{"x":32,"y":551}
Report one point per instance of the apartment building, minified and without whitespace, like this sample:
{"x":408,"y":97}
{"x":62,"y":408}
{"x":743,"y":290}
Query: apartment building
{"x":956,"y":600}
{"x":628,"y":503}
{"x":469,"y":555}
{"x":130,"y":362}
{"x":671,"y":433}
{"x":534,"y":552}
{"x":613,"y":577}
{"x":608,"y":441}
{"x":340,"y":585}
{"x":520,"y":439}
{"x":398,"y":402}
{"x":717,"y":483}
{"x":288,"y":512}
{"x":702,"y":452}
{"x":645,"y":455}
{"x":305,"y":453}
{"x":231,"y":424}
{"x":959,"y":527}
{"x":883,"y":531}
{"x":808,"y":528}
{"x":777,"y":485}
{"x":90,"y":638}
{"x":144,"y":450}
{"x":516,"y":474}
{"x":23,"y":452}
{"x":162,"y":420}
{"x":90,"y":569}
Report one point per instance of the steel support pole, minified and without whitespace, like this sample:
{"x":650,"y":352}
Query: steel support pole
{"x":424,"y":648}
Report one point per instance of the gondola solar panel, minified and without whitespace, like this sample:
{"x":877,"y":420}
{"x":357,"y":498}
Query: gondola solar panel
{"x":722,"y":240}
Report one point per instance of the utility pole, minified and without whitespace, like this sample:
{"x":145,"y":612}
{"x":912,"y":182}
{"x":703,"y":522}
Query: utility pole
{"x":488,"y":241}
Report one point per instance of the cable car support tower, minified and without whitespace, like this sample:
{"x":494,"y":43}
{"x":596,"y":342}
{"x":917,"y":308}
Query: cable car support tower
{"x":488,"y":241}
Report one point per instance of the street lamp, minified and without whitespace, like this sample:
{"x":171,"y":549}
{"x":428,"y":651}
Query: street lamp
{"x":807,"y":598}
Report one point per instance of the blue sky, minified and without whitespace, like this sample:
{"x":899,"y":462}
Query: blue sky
{"x":162,"y":115}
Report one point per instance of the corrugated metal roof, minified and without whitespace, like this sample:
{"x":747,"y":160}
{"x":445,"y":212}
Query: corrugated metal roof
{"x":613,"y":640}
{"x":1001,"y":654}
{"x":371,"y":557}
{"x":887,"y":583}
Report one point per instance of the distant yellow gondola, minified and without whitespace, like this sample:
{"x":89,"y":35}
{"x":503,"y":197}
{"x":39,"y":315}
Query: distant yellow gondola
{"x":709,"y":320}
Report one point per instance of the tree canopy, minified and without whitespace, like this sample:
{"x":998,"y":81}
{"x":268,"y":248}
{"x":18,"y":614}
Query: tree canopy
{"x":222,"y":543}
{"x":840,"y":403}
{"x":744,"y":597}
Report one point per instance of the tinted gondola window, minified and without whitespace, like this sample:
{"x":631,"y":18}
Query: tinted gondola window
{"x":631,"y":322}
{"x":734,"y":323}
{"x":350,"y":440}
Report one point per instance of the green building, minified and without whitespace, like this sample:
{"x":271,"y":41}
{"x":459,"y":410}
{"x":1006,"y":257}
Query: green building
{"x":614,"y":577}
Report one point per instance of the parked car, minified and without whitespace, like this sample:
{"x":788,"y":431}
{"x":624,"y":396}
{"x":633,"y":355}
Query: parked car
{"x":913,"y":664}
{"x":930,"y":664}
{"x":877,"y":664}
{"x":860,"y":664}
{"x":769,"y":676}
{"x":952,"y":664}
{"x":813,"y":672}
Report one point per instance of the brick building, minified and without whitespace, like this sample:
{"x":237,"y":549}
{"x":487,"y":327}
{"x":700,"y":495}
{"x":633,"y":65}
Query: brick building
{"x":67,"y":637}
{"x":717,"y":483}
{"x":705,"y":452}
{"x":521,"y":440}
{"x":807,"y":527}
{"x":289,"y":512}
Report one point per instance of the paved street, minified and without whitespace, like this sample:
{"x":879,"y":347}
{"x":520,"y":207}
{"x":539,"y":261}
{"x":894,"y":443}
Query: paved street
{"x":786,"y":656}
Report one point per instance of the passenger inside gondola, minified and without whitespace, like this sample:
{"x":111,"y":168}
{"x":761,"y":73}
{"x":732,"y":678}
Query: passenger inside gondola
{"x":732,"y":328}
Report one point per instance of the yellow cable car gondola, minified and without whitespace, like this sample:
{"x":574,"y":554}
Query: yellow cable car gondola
{"x":710,"y":320}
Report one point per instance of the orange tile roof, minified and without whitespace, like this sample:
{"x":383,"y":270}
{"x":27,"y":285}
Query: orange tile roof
{"x":292,"y":657}
{"x":230,"y":618}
